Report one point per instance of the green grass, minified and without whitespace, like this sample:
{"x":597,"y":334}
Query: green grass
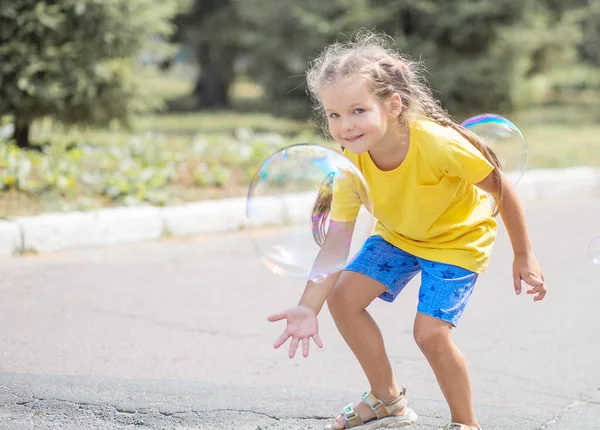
{"x":561,"y":146}
{"x":564,"y":132}
{"x":188,"y":124}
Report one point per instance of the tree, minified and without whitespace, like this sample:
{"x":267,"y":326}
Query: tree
{"x":481,"y":55}
{"x":590,"y":48}
{"x":283,"y":36}
{"x":212,"y":29}
{"x":74,"y":60}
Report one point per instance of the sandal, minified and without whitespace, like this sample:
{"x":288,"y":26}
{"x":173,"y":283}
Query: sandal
{"x":384,"y":414}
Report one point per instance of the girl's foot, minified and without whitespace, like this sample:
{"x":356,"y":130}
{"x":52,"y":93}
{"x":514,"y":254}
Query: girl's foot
{"x":372,"y":413}
{"x":365,"y":413}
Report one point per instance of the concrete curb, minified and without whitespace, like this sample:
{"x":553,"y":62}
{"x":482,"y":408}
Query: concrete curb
{"x":545,"y":184}
{"x":11,"y":240}
{"x":54,"y":232}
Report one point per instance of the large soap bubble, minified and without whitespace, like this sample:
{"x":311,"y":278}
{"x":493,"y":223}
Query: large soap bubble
{"x":594,"y":250}
{"x":287,"y":211}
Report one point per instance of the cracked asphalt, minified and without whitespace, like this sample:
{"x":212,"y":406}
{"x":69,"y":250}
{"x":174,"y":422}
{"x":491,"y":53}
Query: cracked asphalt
{"x":173,"y":335}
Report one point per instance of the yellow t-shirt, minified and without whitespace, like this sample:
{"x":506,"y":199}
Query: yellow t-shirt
{"x":428,"y":206}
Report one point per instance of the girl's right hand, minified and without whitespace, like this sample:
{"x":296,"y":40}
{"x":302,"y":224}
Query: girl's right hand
{"x":301,"y":325}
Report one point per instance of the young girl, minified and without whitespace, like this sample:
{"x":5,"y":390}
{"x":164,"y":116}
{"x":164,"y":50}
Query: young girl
{"x":430,"y":179}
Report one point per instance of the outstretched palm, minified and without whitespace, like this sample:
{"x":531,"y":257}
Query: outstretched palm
{"x":301,"y":325}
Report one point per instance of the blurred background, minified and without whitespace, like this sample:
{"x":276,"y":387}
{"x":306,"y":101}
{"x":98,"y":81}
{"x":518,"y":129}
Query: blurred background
{"x":127,"y":102}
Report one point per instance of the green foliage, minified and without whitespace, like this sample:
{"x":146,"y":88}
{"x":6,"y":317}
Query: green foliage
{"x":200,"y":26}
{"x":138,"y":169}
{"x":15,"y":168}
{"x":83,"y":170}
{"x":481,"y":55}
{"x":73,"y":60}
{"x":590,"y":46}
{"x":281,"y":37}
{"x":77,"y":61}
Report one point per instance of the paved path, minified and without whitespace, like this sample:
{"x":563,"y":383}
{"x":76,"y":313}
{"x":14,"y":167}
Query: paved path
{"x":173,"y":335}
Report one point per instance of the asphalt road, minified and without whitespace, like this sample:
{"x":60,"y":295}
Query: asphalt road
{"x":173,"y":335}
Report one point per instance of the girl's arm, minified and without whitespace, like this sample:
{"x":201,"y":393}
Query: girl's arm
{"x":302,"y":319}
{"x":334,"y":252}
{"x":526,"y":266}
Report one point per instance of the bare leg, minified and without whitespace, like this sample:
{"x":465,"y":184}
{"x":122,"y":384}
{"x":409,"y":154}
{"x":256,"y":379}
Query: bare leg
{"x":347,"y":304}
{"x":434,"y":338}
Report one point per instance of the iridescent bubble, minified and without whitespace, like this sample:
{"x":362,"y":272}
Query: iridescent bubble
{"x":505,"y":139}
{"x":287,"y":211}
{"x":594,"y":251}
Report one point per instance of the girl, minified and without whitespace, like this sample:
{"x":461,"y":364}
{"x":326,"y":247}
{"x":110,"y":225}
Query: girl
{"x":430,"y":179}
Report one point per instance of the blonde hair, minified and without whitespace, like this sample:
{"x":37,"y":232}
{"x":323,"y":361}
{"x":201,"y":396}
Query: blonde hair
{"x":371,"y":56}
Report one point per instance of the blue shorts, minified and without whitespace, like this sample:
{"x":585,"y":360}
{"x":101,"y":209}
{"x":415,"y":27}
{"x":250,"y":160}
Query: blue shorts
{"x":445,"y":289}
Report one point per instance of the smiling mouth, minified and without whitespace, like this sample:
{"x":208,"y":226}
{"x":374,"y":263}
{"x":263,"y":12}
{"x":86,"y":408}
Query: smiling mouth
{"x":353,"y":138}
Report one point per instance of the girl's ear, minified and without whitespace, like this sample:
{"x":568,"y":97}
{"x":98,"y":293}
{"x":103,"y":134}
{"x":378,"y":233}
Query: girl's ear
{"x":395,"y":105}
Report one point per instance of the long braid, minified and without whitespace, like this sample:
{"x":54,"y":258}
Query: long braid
{"x":320,"y":210}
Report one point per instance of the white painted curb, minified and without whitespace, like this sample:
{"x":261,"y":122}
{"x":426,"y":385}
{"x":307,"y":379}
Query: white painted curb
{"x":206,"y":217}
{"x":547,"y":183}
{"x":10,"y":238}
{"x":61,"y":231}
{"x":56,"y":231}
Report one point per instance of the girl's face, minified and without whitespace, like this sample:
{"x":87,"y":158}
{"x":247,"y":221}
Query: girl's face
{"x":356,"y":118}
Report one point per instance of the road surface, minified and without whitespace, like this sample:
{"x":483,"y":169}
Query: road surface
{"x":173,"y":335}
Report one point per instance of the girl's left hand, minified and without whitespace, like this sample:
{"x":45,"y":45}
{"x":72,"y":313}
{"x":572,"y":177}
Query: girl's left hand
{"x":526,"y":267}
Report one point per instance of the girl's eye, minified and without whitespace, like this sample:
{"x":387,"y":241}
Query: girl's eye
{"x":358,"y":110}
{"x":333,"y":115}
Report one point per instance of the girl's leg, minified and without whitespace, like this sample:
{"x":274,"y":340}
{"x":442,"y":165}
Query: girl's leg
{"x":434,"y":338}
{"x":443,"y":296}
{"x":347,"y":304}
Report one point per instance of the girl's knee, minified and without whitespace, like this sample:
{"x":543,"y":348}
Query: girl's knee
{"x":342,"y":300}
{"x":338,"y":300}
{"x":431,"y":333}
{"x":352,"y":293}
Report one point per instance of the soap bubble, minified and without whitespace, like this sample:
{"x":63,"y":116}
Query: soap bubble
{"x":594,"y":250}
{"x":288,"y":224}
{"x":505,"y":139}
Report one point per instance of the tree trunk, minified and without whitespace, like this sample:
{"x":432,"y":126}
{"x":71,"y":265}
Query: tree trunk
{"x":21,"y":135}
{"x":212,"y":91}
{"x":212,"y":88}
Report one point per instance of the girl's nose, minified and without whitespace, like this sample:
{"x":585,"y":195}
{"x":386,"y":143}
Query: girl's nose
{"x":347,"y":125}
